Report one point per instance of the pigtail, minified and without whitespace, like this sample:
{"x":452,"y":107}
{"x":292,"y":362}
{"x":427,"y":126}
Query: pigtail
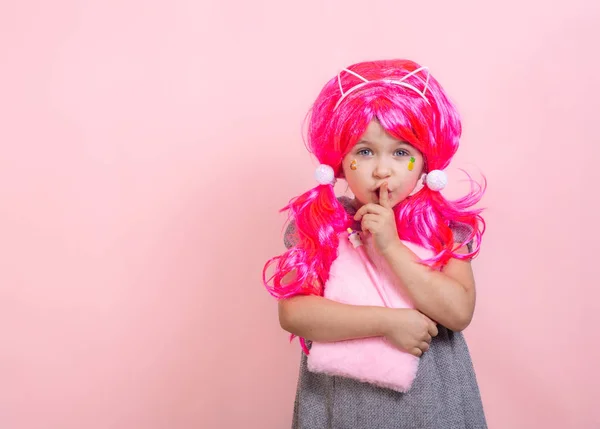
{"x":318,"y":218}
{"x":427,"y":218}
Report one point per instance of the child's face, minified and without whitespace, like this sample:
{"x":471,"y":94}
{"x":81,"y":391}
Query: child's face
{"x":381,"y":158}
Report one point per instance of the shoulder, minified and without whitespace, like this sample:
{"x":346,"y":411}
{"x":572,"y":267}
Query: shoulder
{"x":290,"y":237}
{"x":461,"y":231}
{"x":346,"y":202}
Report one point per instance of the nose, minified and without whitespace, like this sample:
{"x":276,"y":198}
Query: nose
{"x":382,"y":170}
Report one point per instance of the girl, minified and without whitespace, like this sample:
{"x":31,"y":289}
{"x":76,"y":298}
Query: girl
{"x":384,"y":127}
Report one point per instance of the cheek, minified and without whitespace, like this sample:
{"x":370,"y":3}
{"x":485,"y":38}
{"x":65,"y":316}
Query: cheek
{"x":411,"y":180}
{"x":409,"y":184}
{"x":357,"y":185}
{"x":355,"y":182}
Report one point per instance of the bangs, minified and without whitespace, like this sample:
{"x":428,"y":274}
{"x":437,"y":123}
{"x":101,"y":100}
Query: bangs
{"x":403,"y":116}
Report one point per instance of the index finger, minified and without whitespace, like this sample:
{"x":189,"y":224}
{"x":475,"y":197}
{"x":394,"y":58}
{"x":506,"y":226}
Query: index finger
{"x":384,"y":198}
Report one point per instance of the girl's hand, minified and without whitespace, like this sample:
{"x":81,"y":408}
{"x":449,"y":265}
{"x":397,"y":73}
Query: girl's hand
{"x":409,"y":330}
{"x":379,"y":220}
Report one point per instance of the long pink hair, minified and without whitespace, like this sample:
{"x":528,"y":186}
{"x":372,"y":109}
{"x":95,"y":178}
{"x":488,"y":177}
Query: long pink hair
{"x":432,"y":126}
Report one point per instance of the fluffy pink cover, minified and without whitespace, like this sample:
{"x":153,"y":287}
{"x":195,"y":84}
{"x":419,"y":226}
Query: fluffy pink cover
{"x":372,"y":360}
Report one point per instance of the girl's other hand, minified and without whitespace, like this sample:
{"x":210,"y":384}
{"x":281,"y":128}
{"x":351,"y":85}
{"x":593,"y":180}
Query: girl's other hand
{"x":409,"y":330}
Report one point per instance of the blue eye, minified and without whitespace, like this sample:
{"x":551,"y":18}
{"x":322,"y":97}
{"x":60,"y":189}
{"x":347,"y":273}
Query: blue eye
{"x":401,"y":152}
{"x":364,"y":152}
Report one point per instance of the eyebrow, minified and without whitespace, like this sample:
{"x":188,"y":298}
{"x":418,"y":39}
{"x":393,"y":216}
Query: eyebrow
{"x":399,"y":142}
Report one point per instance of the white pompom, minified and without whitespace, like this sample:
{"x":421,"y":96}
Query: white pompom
{"x":436,"y":180}
{"x":325,"y":175}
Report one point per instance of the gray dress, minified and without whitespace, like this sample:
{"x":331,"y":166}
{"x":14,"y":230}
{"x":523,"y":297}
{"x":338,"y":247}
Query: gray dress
{"x":444,"y":394}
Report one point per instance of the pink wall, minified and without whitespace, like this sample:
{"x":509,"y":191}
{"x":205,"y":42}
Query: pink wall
{"x":137,"y":141}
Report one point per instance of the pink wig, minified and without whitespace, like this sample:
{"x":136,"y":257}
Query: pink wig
{"x":431,"y":125}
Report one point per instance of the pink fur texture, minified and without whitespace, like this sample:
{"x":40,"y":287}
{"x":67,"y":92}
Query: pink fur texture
{"x":372,"y":360}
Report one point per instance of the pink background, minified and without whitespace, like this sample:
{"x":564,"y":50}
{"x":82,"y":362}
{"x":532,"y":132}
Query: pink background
{"x":146,"y":149}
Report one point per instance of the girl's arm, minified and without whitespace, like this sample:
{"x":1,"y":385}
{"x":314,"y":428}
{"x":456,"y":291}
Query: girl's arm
{"x":448,"y":297}
{"x":320,"y":319}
